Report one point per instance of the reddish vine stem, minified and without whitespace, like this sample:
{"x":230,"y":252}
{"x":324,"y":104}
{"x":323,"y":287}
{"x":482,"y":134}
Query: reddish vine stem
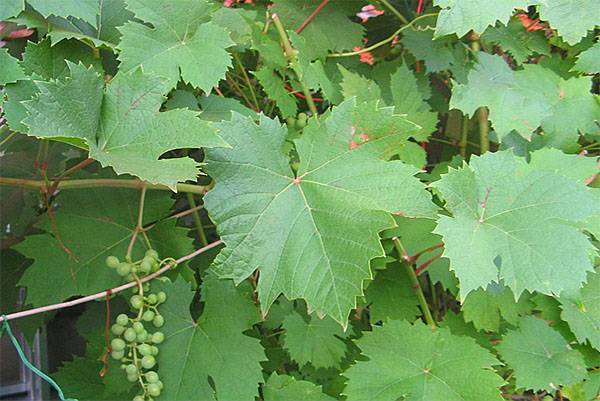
{"x":67,"y":173}
{"x":102,"y":294}
{"x":431,"y":248}
{"x":108,"y":348}
{"x":425,"y":264}
{"x":311,"y":16}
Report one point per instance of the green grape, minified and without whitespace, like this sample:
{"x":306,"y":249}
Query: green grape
{"x":301,"y":123}
{"x":291,"y":122}
{"x":117,"y":354}
{"x":155,"y":267}
{"x":138,"y":398}
{"x":130,"y":335}
{"x":162,"y":296}
{"x":148,"y":362}
{"x":148,"y":316}
{"x":132,"y":378}
{"x":117,"y":344}
{"x":134,"y":269}
{"x":117,"y":329}
{"x":143,"y":336}
{"x":158,"y":321}
{"x":152,"y":299}
{"x":131,"y":369}
{"x":151,"y":253}
{"x":154,"y":350}
{"x":136,"y":301}
{"x":158,"y":337}
{"x":160,"y":384}
{"x":152,"y":377}
{"x":122,"y":319}
{"x":153,"y":389}
{"x":144,"y":349}
{"x":302,"y":116}
{"x":138,"y":327}
{"x":145,"y":266}
{"x":123,"y":269}
{"x":112,"y":262}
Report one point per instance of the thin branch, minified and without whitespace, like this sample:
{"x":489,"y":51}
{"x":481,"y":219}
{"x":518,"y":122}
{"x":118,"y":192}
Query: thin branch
{"x":197,"y":220}
{"x":94,"y":183}
{"x":311,"y":16}
{"x":68,"y":172}
{"x":240,"y":65}
{"x":115,"y":290}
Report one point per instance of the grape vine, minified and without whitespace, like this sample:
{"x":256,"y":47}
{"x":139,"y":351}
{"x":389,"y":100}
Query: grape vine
{"x":363,"y":200}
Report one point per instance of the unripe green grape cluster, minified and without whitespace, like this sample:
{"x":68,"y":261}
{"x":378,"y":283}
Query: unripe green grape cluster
{"x":134,"y":345}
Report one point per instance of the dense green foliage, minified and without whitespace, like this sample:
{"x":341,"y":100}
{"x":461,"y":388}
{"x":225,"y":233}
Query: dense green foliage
{"x":399,"y":200}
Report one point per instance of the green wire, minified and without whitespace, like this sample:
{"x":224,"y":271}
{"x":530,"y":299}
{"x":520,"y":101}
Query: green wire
{"x":13,"y":339}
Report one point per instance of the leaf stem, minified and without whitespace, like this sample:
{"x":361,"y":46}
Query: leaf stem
{"x":385,"y":41}
{"x":292,"y":57}
{"x":197,"y":220}
{"x":311,"y":16}
{"x":394,"y":11}
{"x":484,"y":130}
{"x":414,"y":280}
{"x":139,"y":227}
{"x":462,"y":145}
{"x":102,"y":182}
{"x":236,"y":57}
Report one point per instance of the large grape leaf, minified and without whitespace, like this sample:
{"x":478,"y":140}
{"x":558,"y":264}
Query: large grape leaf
{"x":311,"y":233}
{"x":211,"y":358}
{"x":330,"y":30}
{"x":93,"y":224}
{"x":180,"y":43}
{"x":462,"y":16}
{"x":315,"y":341}
{"x":515,"y":223}
{"x":415,"y":363}
{"x":540,"y":357}
{"x":121,"y":124}
{"x":86,"y":10}
{"x":581,"y":310}
{"x":287,"y":388}
{"x":572,"y":19}
{"x":526,"y":99}
{"x":487,"y":308}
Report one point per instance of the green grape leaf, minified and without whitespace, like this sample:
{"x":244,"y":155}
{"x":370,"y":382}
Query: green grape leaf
{"x":289,"y":224}
{"x":517,"y":41}
{"x":180,"y":44}
{"x":209,"y":359}
{"x":415,"y":363}
{"x":10,"y":70}
{"x":437,"y":54}
{"x":111,"y":15}
{"x":462,"y":16}
{"x":581,"y":310}
{"x":459,"y":327}
{"x":79,"y":379}
{"x":86,"y":10}
{"x":390,"y":296}
{"x":513,"y":222}
{"x":523,"y":100}
{"x":93,"y":224}
{"x":571,"y":19}
{"x":333,"y":30}
{"x":487,"y":308}
{"x":121,"y":124}
{"x":540,"y":358}
{"x":588,"y":61}
{"x":408,"y":99}
{"x":274,"y":87}
{"x":217,"y":108}
{"x":11,"y":8}
{"x":355,"y":85}
{"x":319,"y":342}
{"x":287,"y":388}
{"x":578,"y":167}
